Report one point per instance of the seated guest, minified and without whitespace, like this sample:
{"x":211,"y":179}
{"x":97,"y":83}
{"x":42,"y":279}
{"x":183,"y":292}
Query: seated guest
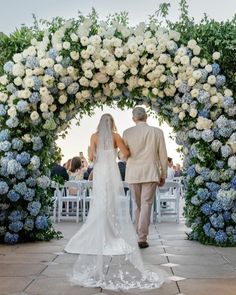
{"x":76,"y":172}
{"x":170,"y":170}
{"x":178,"y":171}
{"x":67,"y":165}
{"x":88,"y":172}
{"x":84,"y":162}
{"x":58,"y":170}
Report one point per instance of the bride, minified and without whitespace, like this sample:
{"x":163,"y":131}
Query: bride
{"x":109,"y":256}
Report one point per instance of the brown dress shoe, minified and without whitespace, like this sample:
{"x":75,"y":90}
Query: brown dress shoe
{"x":143,"y":245}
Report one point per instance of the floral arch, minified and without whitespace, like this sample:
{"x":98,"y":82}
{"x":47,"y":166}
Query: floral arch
{"x":87,"y":63}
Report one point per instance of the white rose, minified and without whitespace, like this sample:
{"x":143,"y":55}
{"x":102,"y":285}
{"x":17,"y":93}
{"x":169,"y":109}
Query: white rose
{"x":84,"y":54}
{"x":104,"y":53}
{"x":27,"y":138}
{"x":59,"y":58}
{"x":211,"y":80}
{"x":214,"y":99}
{"x":206,"y":87}
{"x":134,"y":71}
{"x":155,"y":91}
{"x":208,"y":68}
{"x":178,"y":83}
{"x":74,"y":37}
{"x":29,"y":72}
{"x":119,"y":74}
{"x":94,"y":84}
{"x":133,"y":46}
{"x":203,"y":123}
{"x":197,"y":74}
{"x":203,"y":62}
{"x":91,"y":49}
{"x":17,"y":58}
{"x":193,"y":113}
{"x":98,"y":64}
{"x":181,"y":115}
{"x":112,"y":86}
{"x":124,"y":68}
{"x":84,"y":41}
{"x":163,"y":78}
{"x":12,"y":112}
{"x":85,"y":94}
{"x":34,"y":116}
{"x":195,"y":92}
{"x":88,"y":74}
{"x":66,"y":45}
{"x":151,"y":48}
{"x":192,"y":44}
{"x":184,"y":106}
{"x":62,"y":99}
{"x":163,"y":59}
{"x":191,"y":82}
{"x":28,"y":82}
{"x":18,"y":81}
{"x":3,"y":80}
{"x":58,"y":68}
{"x":84,"y":81}
{"x":18,"y":70}
{"x":53,"y":107}
{"x":176,"y":110}
{"x":145,"y":92}
{"x":195,"y":61}
{"x":232,"y":162}
{"x":228,"y":92}
{"x":216,"y":55}
{"x":174,"y":69}
{"x":61,"y":86}
{"x":62,"y":115}
{"x":70,"y":70}
{"x":118,"y":52}
{"x":101,"y":78}
{"x":74,"y":55}
{"x":213,"y":91}
{"x":196,"y":50}
{"x":43,"y":107}
{"x":184,"y":60}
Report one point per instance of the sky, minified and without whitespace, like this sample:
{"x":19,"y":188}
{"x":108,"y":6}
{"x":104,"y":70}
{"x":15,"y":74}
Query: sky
{"x":13,"y":13}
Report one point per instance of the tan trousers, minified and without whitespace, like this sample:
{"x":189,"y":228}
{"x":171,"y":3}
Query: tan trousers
{"x":143,"y":194}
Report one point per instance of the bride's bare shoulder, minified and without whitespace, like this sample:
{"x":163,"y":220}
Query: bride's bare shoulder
{"x":94,"y":136}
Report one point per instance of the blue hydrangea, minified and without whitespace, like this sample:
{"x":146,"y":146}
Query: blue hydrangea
{"x":13,"y":167}
{"x":11,"y":238}
{"x":233,"y":183}
{"x":11,"y":88}
{"x":220,"y":164}
{"x":206,"y":229}
{"x":66,"y":62}
{"x":15,"y":215}
{"x":13,"y":196}
{"x":29,"y":195}
{"x":205,"y":173}
{"x":35,"y":162}
{"x":195,"y":201}
{"x":207,"y":135}
{"x":220,"y":81}
{"x":31,"y":182}
{"x":21,"y":174}
{"x":197,"y":134}
{"x":3,"y":187}
{"x":216,"y":206}
{"x":16,"y":226}
{"x":213,"y":195}
{"x":227,"y":216}
{"x":21,"y":188}
{"x":203,"y":193}
{"x":4,"y":135}
{"x":31,"y":62}
{"x":212,"y":186}
{"x":43,"y":182}
{"x":184,"y":87}
{"x":221,"y":237}
{"x":206,"y":209}
{"x":228,"y":102}
{"x":191,"y":171}
{"x":215,"y":145}
{"x":8,"y":67}
{"x":73,"y":88}
{"x":215,"y":175}
{"x":41,"y":222}
{"x":12,"y":122}
{"x":50,"y":72}
{"x":53,"y":90}
{"x":23,"y":158}
{"x":34,"y":208}
{"x":53,"y":53}
{"x":204,"y":113}
{"x":2,"y":110}
{"x":226,"y":151}
{"x":37,"y":143}
{"x":204,"y":75}
{"x":22,"y":106}
{"x":34,"y":98}
{"x":215,"y":69}
{"x":2,"y":215}
{"x":66,"y":80}
{"x":29,"y":224}
{"x":5,"y":146}
{"x":217,"y":220}
{"x":203,"y":97}
{"x":17,"y":144}
{"x":37,"y":84}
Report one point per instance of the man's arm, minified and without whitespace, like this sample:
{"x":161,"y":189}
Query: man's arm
{"x":162,"y":153}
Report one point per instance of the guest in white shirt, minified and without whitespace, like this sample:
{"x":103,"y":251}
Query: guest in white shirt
{"x":170,"y":170}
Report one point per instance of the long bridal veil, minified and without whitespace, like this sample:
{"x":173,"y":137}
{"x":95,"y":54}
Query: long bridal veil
{"x":109,"y":256}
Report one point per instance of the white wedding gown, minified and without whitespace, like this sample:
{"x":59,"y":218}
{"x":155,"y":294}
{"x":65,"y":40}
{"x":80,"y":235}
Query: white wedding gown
{"x":109,"y":256}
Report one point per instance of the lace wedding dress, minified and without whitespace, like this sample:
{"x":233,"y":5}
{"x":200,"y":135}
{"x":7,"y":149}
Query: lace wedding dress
{"x":109,"y":256}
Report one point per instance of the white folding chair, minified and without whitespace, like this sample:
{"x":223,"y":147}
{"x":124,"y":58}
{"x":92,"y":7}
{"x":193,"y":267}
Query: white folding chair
{"x":57,"y":191}
{"x":87,"y":187}
{"x":69,"y":200}
{"x":169,"y":193}
{"x":131,"y":202}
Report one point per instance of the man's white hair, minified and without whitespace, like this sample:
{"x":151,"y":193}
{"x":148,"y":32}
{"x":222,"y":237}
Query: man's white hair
{"x":139,"y":113}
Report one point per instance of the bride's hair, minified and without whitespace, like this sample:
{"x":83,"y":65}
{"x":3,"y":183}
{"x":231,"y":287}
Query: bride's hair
{"x":108,"y":119}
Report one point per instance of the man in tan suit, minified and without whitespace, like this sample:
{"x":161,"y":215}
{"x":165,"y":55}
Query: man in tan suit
{"x":146,"y":168}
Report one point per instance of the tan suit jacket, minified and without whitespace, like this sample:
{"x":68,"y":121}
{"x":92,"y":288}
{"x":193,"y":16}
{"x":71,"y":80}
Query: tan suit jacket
{"x":148,"y":159}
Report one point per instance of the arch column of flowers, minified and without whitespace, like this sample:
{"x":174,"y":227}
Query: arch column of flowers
{"x":87,"y":63}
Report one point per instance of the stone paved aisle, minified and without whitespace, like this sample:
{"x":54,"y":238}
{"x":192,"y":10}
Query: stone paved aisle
{"x":42,"y":268}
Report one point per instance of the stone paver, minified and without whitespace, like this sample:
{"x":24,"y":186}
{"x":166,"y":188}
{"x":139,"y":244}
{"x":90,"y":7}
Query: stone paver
{"x":43,"y":268}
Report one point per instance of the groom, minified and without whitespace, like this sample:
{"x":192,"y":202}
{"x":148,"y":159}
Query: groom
{"x":146,"y":168}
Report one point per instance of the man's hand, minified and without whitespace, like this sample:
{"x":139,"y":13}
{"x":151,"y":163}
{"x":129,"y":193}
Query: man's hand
{"x":161,"y":182}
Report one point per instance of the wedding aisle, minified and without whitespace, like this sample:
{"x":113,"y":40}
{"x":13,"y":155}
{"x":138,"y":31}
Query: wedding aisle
{"x":42,"y":268}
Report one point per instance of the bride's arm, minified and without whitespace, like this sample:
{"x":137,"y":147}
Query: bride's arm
{"x":121,"y":145}
{"x":92,"y":147}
